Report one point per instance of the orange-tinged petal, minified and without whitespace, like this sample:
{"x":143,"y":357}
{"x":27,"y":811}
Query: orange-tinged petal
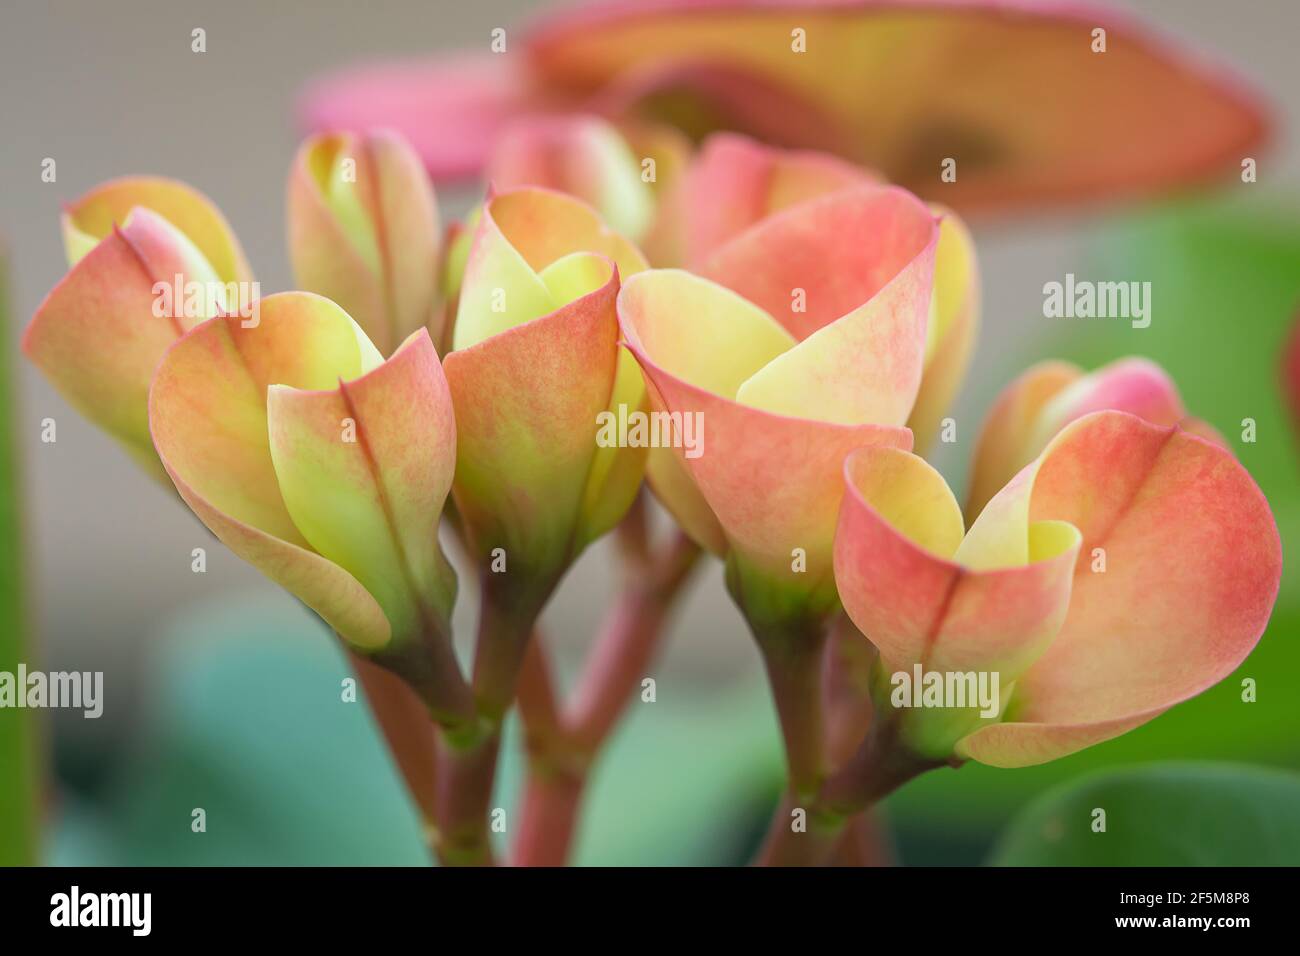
{"x":1000,"y":449}
{"x":527,"y":401}
{"x":771,"y":480}
{"x":208,"y":418}
{"x":101,"y":331}
{"x":582,"y":155}
{"x":520,"y":233}
{"x":860,"y":306}
{"x":1177,"y":575}
{"x":541,"y":259}
{"x":671,"y":481}
{"x":863,"y":367}
{"x":91,"y":219}
{"x":954,"y":323}
{"x":700,"y":331}
{"x":364,"y":231}
{"x":735,"y":182}
{"x":1013,"y":91}
{"x":1046,"y":398}
{"x":900,"y":576}
{"x":837,"y":251}
{"x":364,"y":469}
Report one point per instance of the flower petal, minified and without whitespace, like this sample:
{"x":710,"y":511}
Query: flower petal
{"x":92,"y":217}
{"x":899,"y":577}
{"x":100,"y":332}
{"x":839,"y":250}
{"x":519,"y":235}
{"x":582,"y":155}
{"x":364,"y":469}
{"x":1046,"y":398}
{"x":954,"y":323}
{"x":771,"y":480}
{"x":527,"y":401}
{"x":850,"y":274}
{"x":1192,"y":564}
{"x":207,"y":415}
{"x":368,"y":239}
{"x":1012,"y":90}
{"x":734,"y":183}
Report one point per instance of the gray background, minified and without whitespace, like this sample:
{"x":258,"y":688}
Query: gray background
{"x":113,"y":88}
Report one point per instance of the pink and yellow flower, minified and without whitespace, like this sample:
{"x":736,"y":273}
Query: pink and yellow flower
{"x":364,"y":231}
{"x":322,"y":465}
{"x":1129,"y":567}
{"x":804,"y":339}
{"x":535,"y":361}
{"x":100,"y":332}
{"x":1050,"y":395}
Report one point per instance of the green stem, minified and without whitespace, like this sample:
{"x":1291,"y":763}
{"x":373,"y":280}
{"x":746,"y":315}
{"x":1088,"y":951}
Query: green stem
{"x":466,"y":774}
{"x":793,"y":661}
{"x":468,"y":758}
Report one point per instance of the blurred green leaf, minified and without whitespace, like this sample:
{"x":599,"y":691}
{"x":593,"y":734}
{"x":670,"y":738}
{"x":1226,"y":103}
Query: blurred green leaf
{"x":689,"y":780}
{"x":1225,"y":283}
{"x":1162,"y":815}
{"x":18,"y":765}
{"x":248,"y":725}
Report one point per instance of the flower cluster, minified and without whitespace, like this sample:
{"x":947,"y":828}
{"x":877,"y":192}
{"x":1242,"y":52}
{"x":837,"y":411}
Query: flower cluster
{"x":815,"y":320}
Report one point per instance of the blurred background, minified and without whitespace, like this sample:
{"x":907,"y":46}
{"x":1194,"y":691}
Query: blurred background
{"x":220,"y":692}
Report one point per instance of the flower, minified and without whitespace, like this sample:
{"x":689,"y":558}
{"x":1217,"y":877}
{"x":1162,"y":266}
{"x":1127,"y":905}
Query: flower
{"x":1129,"y":567}
{"x":98,"y":335}
{"x":1048,"y":396}
{"x":804,"y":339}
{"x":322,"y":465}
{"x":364,"y":231}
{"x":535,"y":361}
{"x":586,"y":157}
{"x":733,"y":183}
{"x":1033,"y":102}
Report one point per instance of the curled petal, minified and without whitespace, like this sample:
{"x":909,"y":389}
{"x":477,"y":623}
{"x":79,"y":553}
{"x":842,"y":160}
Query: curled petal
{"x":1015,"y":92}
{"x":364,"y":231}
{"x":735,"y":182}
{"x":860,"y":307}
{"x":100,"y":332}
{"x":92,"y":217}
{"x":901,"y":578}
{"x":536,"y":365}
{"x":584,"y":156}
{"x":1046,"y":398}
{"x":208,"y":418}
{"x":364,"y":469}
{"x":519,"y":236}
{"x":527,"y":401}
{"x":771,"y":480}
{"x":1177,"y":575}
{"x":807,"y":249}
{"x":954,"y":322}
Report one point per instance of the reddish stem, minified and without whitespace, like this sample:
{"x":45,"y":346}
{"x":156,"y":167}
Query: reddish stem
{"x":562,"y":747}
{"x":404,"y":721}
{"x":628,"y":641}
{"x":550,"y":814}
